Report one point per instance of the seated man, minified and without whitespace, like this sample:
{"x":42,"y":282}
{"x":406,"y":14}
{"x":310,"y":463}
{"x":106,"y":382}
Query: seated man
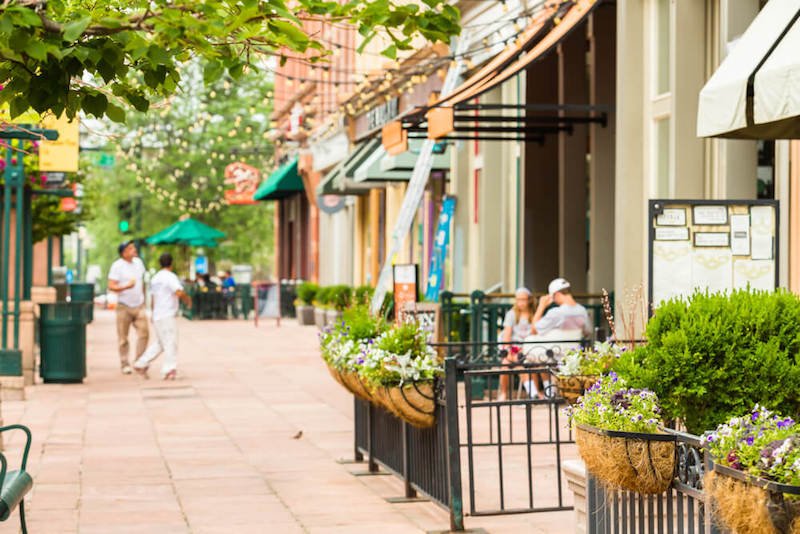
{"x":568,"y":322}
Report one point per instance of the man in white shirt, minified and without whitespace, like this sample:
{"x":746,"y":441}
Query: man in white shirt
{"x":165,"y":289}
{"x":569,"y":315}
{"x":126,"y":278}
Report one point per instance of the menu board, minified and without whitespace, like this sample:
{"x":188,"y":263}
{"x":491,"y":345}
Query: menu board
{"x":713,"y":246}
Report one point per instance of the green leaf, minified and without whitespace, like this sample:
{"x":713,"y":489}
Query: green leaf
{"x":212,"y":71}
{"x":390,"y":52}
{"x":115,"y":113}
{"x":75,"y":28}
{"x":36,"y":50}
{"x":94,"y":103}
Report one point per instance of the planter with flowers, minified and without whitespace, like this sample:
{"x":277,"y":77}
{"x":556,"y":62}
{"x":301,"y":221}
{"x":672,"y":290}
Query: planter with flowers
{"x":755,"y":481}
{"x":345,"y":346}
{"x":402,"y":370}
{"x":581,"y":368}
{"x":304,"y":305}
{"x":620,"y":438}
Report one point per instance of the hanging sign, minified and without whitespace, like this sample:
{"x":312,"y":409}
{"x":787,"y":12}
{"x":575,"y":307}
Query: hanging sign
{"x":244,"y":179}
{"x":405,"y":286}
{"x":61,"y":154}
{"x":439,"y":252}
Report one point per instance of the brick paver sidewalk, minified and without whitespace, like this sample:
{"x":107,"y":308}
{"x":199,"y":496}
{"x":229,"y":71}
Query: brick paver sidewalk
{"x":246,"y":440}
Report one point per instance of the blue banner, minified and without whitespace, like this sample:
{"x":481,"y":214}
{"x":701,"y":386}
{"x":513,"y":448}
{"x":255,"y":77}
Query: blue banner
{"x":439,"y":252}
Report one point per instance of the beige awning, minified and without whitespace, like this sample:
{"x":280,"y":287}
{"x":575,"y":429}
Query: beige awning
{"x":755,"y":92}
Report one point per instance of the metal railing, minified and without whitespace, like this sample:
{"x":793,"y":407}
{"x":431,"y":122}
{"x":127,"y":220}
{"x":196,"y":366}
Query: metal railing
{"x":682,"y":509}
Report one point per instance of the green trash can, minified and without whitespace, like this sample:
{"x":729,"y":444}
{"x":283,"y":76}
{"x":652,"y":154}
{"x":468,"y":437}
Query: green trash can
{"x":83,"y":293}
{"x":62,"y":337}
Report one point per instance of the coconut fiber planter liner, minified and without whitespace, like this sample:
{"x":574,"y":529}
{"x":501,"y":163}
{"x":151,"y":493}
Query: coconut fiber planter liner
{"x":414,"y":403}
{"x":572,"y":387}
{"x":750,"y":505}
{"x":633,"y":461}
{"x":356,"y":386}
{"x":336,"y":375}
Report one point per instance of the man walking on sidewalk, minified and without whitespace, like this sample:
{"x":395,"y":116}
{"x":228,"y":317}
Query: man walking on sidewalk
{"x":165,"y":289}
{"x":126,"y":278}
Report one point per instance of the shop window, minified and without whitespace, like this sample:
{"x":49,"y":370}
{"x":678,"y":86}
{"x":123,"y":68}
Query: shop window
{"x":765,"y":172}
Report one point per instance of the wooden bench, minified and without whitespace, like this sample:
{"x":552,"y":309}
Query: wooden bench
{"x":15,"y":484}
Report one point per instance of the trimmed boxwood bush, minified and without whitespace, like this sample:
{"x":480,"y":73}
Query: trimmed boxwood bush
{"x":714,"y":356}
{"x":362,"y":295}
{"x":341,"y":297}
{"x":306,"y":292}
{"x":323,"y":296}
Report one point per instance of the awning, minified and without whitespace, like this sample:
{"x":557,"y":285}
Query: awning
{"x":552,"y":23}
{"x":282,"y":183}
{"x":337,"y":182}
{"x":755,"y":92}
{"x":383,"y":167}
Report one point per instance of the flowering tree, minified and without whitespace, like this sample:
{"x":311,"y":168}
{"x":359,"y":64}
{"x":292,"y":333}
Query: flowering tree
{"x":101,"y":55}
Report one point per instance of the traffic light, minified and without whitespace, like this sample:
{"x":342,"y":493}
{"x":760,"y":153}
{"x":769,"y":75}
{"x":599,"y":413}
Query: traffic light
{"x":125,"y":209}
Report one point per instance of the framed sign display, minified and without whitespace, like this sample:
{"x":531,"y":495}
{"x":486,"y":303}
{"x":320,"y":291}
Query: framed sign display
{"x":405,"y":286}
{"x":724,"y":245}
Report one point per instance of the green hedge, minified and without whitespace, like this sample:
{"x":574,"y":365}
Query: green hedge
{"x":715,"y":356}
{"x":307,"y":292}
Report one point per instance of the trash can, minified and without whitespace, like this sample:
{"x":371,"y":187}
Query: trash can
{"x":62,"y":337}
{"x":83,"y":293}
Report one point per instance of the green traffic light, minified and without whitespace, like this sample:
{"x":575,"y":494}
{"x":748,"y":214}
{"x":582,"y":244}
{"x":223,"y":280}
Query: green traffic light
{"x":124,"y":226}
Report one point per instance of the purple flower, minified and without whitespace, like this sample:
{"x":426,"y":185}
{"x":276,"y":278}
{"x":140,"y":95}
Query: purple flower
{"x":754,"y":417}
{"x":710,"y":438}
{"x":750,"y":440}
{"x":785,"y":423}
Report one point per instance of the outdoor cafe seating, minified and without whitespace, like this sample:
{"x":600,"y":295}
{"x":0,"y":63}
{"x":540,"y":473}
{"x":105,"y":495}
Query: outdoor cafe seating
{"x":217,"y":303}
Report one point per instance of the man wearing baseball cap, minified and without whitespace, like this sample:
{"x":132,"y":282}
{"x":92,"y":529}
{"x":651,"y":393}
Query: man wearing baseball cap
{"x":126,"y":278}
{"x":569,"y":315}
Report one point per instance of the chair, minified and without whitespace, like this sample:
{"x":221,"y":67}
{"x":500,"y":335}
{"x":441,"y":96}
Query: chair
{"x":549,"y":348}
{"x":15,"y":484}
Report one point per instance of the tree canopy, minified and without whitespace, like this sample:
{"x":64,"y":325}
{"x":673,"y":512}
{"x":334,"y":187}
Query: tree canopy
{"x":101,"y":56}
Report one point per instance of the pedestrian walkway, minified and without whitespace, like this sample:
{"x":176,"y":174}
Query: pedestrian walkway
{"x":246,"y":440}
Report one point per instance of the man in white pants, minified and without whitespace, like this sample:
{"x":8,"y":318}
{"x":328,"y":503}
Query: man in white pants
{"x":165,"y":289}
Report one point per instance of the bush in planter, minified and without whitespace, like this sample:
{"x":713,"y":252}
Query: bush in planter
{"x":363,"y":295}
{"x":323,"y":297}
{"x":402,"y":368}
{"x":619,"y":438}
{"x":711,"y":357}
{"x":306,"y":293}
{"x":756,"y":460}
{"x":341,"y":297}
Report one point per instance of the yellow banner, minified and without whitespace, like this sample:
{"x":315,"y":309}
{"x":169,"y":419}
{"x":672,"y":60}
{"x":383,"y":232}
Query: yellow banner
{"x":60,"y":155}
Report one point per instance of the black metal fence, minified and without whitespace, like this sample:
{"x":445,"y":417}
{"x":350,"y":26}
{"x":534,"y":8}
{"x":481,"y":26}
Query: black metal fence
{"x":682,"y":509}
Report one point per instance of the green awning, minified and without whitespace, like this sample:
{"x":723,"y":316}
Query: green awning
{"x":337,"y":181}
{"x":381,"y":167}
{"x":282,"y":183}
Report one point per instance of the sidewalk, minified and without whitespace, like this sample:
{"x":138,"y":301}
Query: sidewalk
{"x":246,"y":440}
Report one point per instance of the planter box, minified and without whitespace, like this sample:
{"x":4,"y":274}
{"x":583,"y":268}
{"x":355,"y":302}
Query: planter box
{"x":575,"y":474}
{"x":305,"y":314}
{"x":319,"y":317}
{"x":332,"y":317}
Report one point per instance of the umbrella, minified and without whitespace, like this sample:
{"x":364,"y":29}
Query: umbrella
{"x":187,"y":232}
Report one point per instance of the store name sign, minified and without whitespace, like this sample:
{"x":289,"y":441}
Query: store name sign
{"x":380,"y":115}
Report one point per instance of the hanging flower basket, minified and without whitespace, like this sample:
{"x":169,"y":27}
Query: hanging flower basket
{"x":380,"y":397}
{"x":573,"y":386}
{"x":335,"y":374}
{"x":356,"y":386}
{"x":414,"y":403}
{"x":633,"y":461}
{"x":751,"y":505}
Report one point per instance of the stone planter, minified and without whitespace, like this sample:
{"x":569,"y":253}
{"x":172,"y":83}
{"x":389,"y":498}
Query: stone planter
{"x":305,"y":314}
{"x":332,"y":317}
{"x":575,"y":474}
{"x":319,"y":317}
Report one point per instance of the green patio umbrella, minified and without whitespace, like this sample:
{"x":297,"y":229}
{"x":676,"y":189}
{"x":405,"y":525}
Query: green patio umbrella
{"x":187,"y":232}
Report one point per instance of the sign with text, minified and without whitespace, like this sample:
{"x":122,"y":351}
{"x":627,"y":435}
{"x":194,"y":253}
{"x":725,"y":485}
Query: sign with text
{"x":244,"y":179}
{"x":426,"y":315}
{"x":61,"y":154}
{"x":405,"y":286}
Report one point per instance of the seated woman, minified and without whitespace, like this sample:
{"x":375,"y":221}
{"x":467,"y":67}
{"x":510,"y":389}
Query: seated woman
{"x":517,"y":325}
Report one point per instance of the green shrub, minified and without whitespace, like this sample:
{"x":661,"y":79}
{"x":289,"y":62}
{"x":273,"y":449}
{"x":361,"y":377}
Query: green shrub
{"x":341,"y":297}
{"x":359,"y":324}
{"x":715,"y":356}
{"x":323,"y":296}
{"x":306,"y":292}
{"x":363,"y":295}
